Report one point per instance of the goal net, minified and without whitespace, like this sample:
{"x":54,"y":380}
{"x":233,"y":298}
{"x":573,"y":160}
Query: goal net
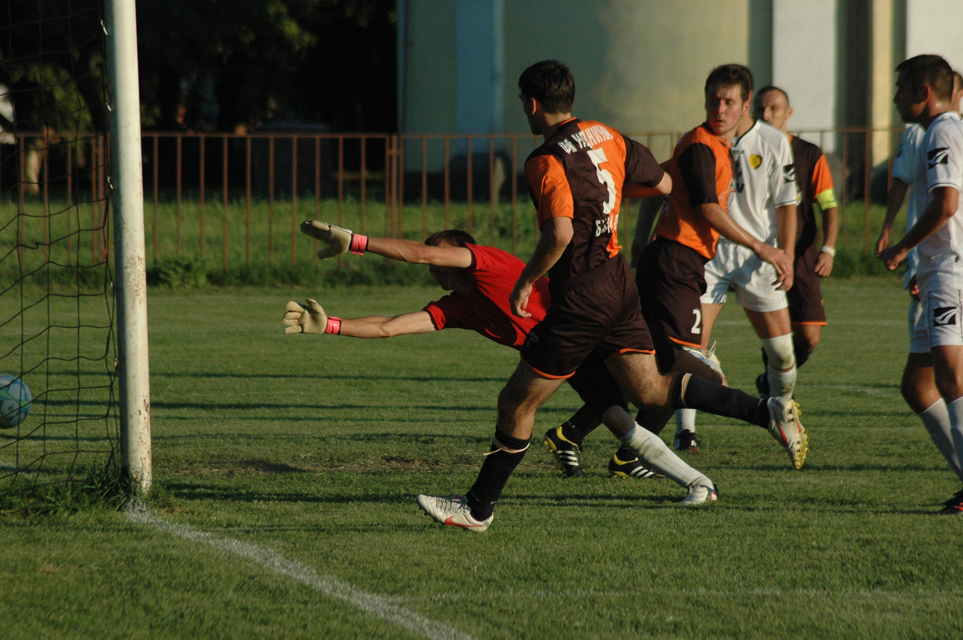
{"x":56,"y":287}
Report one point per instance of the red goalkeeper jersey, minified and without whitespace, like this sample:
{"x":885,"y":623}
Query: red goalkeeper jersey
{"x":487,"y":310}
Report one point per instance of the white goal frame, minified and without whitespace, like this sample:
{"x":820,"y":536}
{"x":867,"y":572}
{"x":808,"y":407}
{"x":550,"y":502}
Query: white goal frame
{"x":127,"y":181}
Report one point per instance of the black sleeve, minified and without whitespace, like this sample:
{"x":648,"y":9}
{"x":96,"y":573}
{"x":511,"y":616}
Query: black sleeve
{"x":697,"y":164}
{"x":640,"y":165}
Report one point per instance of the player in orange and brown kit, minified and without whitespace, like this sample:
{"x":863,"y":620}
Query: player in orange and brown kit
{"x":671,"y":271}
{"x":813,"y":260}
{"x":576,"y":179}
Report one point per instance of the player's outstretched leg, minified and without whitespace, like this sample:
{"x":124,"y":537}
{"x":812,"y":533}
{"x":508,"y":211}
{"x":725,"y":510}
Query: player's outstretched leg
{"x":785,"y":427}
{"x":654,"y":454}
{"x":778,"y":415}
{"x":650,"y":448}
{"x":625,"y":464}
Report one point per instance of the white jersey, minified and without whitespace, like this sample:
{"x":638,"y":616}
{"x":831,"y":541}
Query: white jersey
{"x":765,"y":177}
{"x":942,"y":252}
{"x":909,"y":167}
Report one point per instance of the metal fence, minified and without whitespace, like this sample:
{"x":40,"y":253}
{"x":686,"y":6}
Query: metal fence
{"x":389,"y":181}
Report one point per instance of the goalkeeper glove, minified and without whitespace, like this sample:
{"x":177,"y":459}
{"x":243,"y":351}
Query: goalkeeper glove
{"x":338,"y":240}
{"x":309,"y":319}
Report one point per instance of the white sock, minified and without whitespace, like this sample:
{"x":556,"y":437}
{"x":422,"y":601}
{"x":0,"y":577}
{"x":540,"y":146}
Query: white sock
{"x":654,"y":453}
{"x":781,"y":383}
{"x":684,"y":420}
{"x":954,"y":455}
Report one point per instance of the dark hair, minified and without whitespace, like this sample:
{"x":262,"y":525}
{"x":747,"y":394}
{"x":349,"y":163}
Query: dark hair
{"x":454,"y":237}
{"x":957,"y":81}
{"x":931,"y":70}
{"x":551,"y":83}
{"x":730,"y":75}
{"x":767,"y":89}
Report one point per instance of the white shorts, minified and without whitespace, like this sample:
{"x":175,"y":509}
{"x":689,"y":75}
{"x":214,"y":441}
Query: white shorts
{"x":738,"y":268}
{"x":939,"y":323}
{"x":918,"y":343}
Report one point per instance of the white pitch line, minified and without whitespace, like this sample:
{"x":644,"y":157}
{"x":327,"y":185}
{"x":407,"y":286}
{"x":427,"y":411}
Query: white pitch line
{"x":332,"y":587}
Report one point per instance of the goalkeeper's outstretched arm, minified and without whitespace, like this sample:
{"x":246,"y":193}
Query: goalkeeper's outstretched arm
{"x":338,"y":241}
{"x":311,"y":318}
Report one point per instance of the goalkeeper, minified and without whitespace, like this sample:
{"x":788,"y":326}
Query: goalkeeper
{"x":481,"y":279}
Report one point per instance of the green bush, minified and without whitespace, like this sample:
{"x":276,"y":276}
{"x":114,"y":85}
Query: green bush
{"x":179,"y":271}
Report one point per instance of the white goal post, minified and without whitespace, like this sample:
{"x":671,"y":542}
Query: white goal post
{"x":129,"y":248}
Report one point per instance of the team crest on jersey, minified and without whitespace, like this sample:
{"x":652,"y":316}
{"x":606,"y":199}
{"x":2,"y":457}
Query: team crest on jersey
{"x":945,"y":316}
{"x":755,"y":161}
{"x":939,"y":155}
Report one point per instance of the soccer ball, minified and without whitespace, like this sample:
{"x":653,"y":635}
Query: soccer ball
{"x":15,"y":399}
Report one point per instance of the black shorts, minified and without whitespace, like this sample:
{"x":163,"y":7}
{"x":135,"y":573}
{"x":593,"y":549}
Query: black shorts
{"x":805,"y":296}
{"x":671,"y":278}
{"x":596,"y":313}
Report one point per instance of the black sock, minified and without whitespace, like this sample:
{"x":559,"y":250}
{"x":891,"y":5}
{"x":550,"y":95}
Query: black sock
{"x":573,"y":434}
{"x":625,"y":454}
{"x":494,"y":474}
{"x":710,"y":397}
{"x":801,"y":357}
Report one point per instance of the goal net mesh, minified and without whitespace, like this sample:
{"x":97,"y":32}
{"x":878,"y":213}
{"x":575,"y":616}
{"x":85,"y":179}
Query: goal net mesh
{"x":56,"y":294}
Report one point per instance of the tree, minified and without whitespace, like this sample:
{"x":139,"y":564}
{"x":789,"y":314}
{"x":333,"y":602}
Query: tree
{"x":51,"y":57}
{"x":223,"y":63}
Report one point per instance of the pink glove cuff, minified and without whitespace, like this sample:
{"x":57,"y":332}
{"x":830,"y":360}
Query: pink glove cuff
{"x":358,"y":243}
{"x":334,"y":326}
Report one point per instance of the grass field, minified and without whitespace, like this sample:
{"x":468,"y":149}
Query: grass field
{"x":286,"y":469}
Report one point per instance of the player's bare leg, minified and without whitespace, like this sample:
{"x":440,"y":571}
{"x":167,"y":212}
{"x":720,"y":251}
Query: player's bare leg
{"x":919,"y":389}
{"x":644,"y":386}
{"x":805,"y":337}
{"x":522,"y":395}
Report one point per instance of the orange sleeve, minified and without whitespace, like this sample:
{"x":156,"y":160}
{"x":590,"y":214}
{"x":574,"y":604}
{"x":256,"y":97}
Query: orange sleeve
{"x":822,"y":178}
{"x":546,"y":178}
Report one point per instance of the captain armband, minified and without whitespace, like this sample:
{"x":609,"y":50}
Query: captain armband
{"x":826,"y":199}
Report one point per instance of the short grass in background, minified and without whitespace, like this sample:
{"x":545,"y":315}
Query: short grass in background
{"x":259,"y":243}
{"x":314,"y":447}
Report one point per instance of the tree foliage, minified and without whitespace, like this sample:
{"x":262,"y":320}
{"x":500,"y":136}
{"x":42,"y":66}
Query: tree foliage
{"x":206,"y":64}
{"x":222,"y":63}
{"x":51,"y":59}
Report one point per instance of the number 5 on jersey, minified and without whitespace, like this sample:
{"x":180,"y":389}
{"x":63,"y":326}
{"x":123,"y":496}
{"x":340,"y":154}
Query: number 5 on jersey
{"x":605,"y":178}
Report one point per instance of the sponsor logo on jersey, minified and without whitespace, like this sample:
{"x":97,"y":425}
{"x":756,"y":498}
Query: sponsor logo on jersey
{"x":945,"y":316}
{"x":900,"y":150}
{"x":939,"y":155}
{"x":789,"y":173}
{"x":755,"y":161}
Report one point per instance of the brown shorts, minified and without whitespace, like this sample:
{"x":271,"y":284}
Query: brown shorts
{"x":671,"y":278}
{"x":596,"y":313}
{"x":805,"y":297}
